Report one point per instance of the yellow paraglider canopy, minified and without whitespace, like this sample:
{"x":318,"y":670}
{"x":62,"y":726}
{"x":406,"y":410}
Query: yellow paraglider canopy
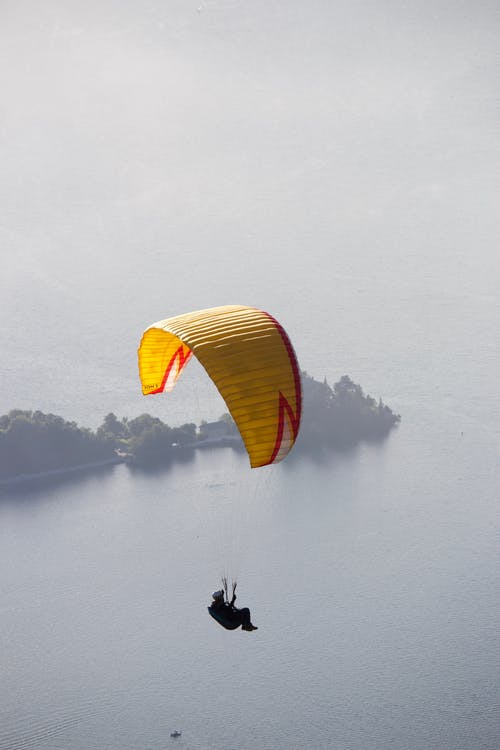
{"x":249,"y":357}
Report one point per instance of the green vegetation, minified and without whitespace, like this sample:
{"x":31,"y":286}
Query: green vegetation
{"x":146,"y":439}
{"x":340,"y":417}
{"x":33,"y":442}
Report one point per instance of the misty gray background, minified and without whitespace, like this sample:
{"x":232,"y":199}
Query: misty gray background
{"x":336,"y":164}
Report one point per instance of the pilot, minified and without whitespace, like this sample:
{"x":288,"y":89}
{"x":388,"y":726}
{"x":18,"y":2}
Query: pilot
{"x":230,"y":614}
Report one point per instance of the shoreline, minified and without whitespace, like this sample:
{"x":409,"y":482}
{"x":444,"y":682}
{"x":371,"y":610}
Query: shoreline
{"x":120,"y":458}
{"x":338,"y":418}
{"x":21,"y":478}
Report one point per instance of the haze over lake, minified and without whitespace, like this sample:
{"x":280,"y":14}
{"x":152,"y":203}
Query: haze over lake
{"x":336,"y":165}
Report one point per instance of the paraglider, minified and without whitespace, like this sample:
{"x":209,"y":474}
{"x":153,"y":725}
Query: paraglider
{"x":251,"y":361}
{"x":226,"y":614}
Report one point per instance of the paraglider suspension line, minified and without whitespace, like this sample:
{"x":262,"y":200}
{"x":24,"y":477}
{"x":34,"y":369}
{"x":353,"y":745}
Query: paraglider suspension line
{"x":225,"y":586}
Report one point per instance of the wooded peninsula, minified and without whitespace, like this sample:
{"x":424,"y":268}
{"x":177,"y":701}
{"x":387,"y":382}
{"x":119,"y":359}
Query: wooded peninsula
{"x":36,"y":444}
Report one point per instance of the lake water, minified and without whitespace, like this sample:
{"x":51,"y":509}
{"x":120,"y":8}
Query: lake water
{"x":337,"y":166}
{"x":373,"y":579}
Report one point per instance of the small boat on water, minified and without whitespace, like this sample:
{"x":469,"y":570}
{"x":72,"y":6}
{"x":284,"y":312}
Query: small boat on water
{"x":175,"y":733}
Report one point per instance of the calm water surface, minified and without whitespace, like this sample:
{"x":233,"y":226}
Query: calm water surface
{"x":372,"y":578}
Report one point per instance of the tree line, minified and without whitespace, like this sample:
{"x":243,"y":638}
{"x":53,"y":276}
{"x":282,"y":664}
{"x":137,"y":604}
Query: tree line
{"x":340,"y":416}
{"x":32,"y":442}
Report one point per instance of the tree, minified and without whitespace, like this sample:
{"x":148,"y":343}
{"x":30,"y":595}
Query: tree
{"x":112,"y":428}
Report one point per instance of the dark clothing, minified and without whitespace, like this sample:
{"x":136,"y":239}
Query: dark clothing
{"x":233,"y":616}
